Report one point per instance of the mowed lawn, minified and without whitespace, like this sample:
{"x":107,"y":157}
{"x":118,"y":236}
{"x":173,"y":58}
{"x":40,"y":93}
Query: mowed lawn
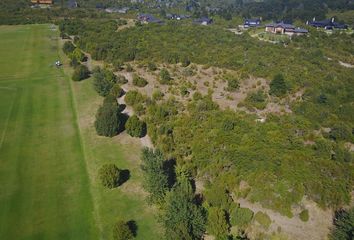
{"x":128,"y":202}
{"x":44,"y":184}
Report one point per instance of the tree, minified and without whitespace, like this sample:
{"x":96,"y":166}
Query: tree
{"x":278,"y":86}
{"x":155,"y":178}
{"x":343,"y":225}
{"x":217,"y":224}
{"x":122,"y":231}
{"x":135,"y":127}
{"x":183,"y":218}
{"x":110,"y":175}
{"x":165,"y":77}
{"x":109,"y":120}
{"x":81,"y":72}
{"x":139,"y":81}
{"x":103,"y":81}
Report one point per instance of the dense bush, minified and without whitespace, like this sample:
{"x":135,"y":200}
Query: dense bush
{"x":256,"y":100}
{"x":122,"y":231}
{"x":135,"y":127}
{"x":152,"y":66}
{"x":233,"y":83}
{"x":343,"y":225}
{"x":110,"y":175}
{"x":109,"y":121}
{"x":165,"y":76}
{"x":116,"y":91}
{"x":241,"y":217}
{"x":139,"y":81}
{"x":263,"y":219}
{"x":155,"y":178}
{"x":304,"y":215}
{"x":278,"y":86}
{"x":133,"y":98}
{"x":81,"y":72}
{"x":68,"y":47}
{"x":217,"y":223}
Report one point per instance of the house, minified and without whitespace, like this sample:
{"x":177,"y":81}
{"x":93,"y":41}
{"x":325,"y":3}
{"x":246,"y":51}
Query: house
{"x":117,"y":10}
{"x":72,"y":4}
{"x":252,"y":23}
{"x":48,"y":2}
{"x":147,"y":18}
{"x":284,"y":28}
{"x":176,"y":16}
{"x":203,"y":21}
{"x":328,"y":24}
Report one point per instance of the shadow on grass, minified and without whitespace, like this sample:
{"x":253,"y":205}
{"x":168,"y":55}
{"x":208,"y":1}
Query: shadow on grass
{"x":124,"y":177}
{"x":133,"y":227}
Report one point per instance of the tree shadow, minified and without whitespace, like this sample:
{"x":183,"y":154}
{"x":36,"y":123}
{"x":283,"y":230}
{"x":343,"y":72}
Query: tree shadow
{"x":123,"y":118}
{"x":144,"y":130}
{"x":121,"y":107}
{"x":124,"y":176}
{"x":133,"y":227}
{"x":169,"y":168}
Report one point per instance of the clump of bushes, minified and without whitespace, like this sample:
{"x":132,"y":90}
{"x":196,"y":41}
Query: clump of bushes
{"x":278,"y":86}
{"x":217,"y":224}
{"x":263,"y":219}
{"x":116,"y":91}
{"x":81,"y":72}
{"x":135,"y":127}
{"x":122,"y":231}
{"x":68,"y":47}
{"x":165,"y":76}
{"x":110,"y":175}
{"x":241,"y":217}
{"x":256,"y":100}
{"x":133,"y":97}
{"x":139,"y":81}
{"x":233,"y":83}
{"x":304,"y":215}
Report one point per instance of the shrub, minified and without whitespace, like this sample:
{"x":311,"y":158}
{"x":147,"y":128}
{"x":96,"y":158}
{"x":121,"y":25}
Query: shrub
{"x":340,"y":131}
{"x":304,"y":215}
{"x":68,"y":47}
{"x":139,"y":81}
{"x":121,"y":79}
{"x":135,"y":127}
{"x":116,"y":91}
{"x":233,"y":83}
{"x":78,"y":54}
{"x":118,"y":65}
{"x":278,"y":86}
{"x":241,"y":216}
{"x":122,"y":231}
{"x":157,"y":95}
{"x":217,"y":224}
{"x":81,"y":72}
{"x":343,"y":225}
{"x":110,"y":175}
{"x":109,"y":121}
{"x":152,"y":66}
{"x":103,"y":81}
{"x":185,"y":62}
{"x":165,"y":77}
{"x":263,"y":219}
{"x":133,"y":97}
{"x":256,"y":100}
{"x":129,"y":68}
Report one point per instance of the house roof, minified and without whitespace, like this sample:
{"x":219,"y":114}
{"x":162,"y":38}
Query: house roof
{"x":253,"y":20}
{"x":281,"y":25}
{"x":203,"y":19}
{"x":301,"y":30}
{"x":328,"y":23}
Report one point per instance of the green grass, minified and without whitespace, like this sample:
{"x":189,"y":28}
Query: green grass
{"x":44,"y":185}
{"x":50,"y":153}
{"x":128,"y":201}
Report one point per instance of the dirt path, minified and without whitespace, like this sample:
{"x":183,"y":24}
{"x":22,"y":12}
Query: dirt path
{"x":316,"y":228}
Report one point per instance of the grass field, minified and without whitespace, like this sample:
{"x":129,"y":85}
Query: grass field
{"x":44,"y":186}
{"x":50,"y":154}
{"x":128,"y":201}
